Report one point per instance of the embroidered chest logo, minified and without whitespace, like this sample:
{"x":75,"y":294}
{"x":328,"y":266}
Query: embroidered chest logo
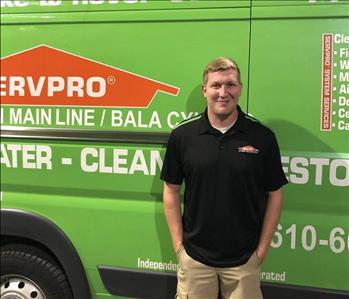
{"x":248,"y":149}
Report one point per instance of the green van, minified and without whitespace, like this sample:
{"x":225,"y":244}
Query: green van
{"x":90,"y":90}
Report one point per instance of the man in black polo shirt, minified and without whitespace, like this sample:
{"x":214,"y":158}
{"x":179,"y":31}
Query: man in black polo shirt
{"x":231,"y":167}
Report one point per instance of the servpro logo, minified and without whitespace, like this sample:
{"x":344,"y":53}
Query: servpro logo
{"x":47,"y":76}
{"x":51,"y":86}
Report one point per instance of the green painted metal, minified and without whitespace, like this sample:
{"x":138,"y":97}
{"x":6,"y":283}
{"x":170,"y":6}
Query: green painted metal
{"x":297,"y":12}
{"x":316,"y":204}
{"x":107,"y":196}
{"x":46,"y":6}
{"x":304,"y":3}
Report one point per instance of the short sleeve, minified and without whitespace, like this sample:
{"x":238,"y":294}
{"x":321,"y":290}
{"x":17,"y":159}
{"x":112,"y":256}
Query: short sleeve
{"x":172,"y":167}
{"x":274,"y":177}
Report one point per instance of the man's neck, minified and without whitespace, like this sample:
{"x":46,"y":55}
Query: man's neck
{"x":222,"y":121}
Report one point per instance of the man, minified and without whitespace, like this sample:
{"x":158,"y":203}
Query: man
{"x":231,"y":167}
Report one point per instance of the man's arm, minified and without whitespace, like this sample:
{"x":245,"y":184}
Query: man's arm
{"x":173,"y":213}
{"x":271,"y":219}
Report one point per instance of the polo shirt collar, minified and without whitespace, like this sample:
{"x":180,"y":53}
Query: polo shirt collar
{"x":240,"y":124}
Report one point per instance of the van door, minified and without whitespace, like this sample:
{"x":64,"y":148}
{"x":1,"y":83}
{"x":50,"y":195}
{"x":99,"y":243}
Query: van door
{"x":91,"y":90}
{"x":299,"y":87}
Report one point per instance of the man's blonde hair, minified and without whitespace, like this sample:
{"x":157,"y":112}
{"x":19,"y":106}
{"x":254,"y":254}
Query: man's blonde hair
{"x":220,"y":64}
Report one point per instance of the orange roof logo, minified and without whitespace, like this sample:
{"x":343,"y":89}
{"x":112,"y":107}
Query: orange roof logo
{"x":248,"y":149}
{"x":47,"y":76}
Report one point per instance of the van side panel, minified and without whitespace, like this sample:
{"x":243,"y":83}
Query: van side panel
{"x":299,"y":87}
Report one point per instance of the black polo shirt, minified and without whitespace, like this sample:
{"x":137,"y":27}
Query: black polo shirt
{"x":227,"y":178}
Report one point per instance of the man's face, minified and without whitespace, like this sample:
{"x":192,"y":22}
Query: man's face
{"x":222,"y":92}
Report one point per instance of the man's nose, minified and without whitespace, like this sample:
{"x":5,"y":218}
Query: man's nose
{"x":223,"y":91}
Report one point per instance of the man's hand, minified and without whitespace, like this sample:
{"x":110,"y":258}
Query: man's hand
{"x":261,"y":255}
{"x":178,"y":247}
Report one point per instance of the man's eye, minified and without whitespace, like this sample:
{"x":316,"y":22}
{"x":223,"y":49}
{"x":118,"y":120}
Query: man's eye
{"x":215,"y":86}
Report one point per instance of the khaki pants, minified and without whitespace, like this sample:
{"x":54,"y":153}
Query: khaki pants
{"x":198,"y":281}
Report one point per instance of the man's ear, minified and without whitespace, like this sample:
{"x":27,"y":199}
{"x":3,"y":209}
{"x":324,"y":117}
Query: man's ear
{"x":241,"y":86}
{"x":203,"y":88}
